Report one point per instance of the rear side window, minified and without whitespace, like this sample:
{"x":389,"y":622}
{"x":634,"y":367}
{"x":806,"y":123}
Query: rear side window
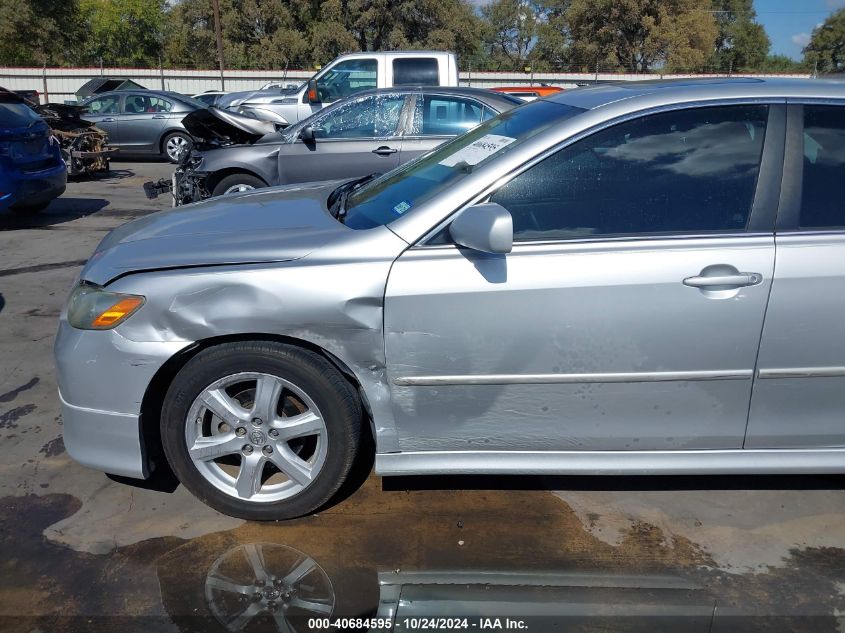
{"x":415,"y":71}
{"x":436,"y":115}
{"x":823,"y":191}
{"x":687,"y":171}
{"x":16,"y":115}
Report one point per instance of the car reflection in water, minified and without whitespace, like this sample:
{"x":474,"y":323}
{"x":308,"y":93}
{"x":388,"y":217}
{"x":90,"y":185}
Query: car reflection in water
{"x":269,"y":587}
{"x":273,"y":585}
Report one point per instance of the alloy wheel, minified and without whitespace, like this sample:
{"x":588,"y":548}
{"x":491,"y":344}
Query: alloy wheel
{"x":256,"y":437}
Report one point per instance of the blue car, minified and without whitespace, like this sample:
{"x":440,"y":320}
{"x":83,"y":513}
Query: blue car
{"x":32,"y":172}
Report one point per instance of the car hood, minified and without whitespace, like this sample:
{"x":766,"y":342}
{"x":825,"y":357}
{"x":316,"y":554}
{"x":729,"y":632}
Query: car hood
{"x":269,"y":225}
{"x":215,"y":124}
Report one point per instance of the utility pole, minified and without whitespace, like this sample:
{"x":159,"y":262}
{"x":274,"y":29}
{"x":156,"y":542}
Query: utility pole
{"x":216,"y":6}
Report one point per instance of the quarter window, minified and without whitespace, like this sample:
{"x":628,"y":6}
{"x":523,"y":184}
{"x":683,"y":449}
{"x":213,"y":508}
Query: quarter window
{"x":688,"y":171}
{"x":415,"y":71}
{"x":823,"y":190}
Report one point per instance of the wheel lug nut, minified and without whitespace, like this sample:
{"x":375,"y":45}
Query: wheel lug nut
{"x":267,"y":450}
{"x":240,"y":431}
{"x":271,"y":606}
{"x":257,"y":421}
{"x":247,"y":450}
{"x":273,"y":433}
{"x":261,"y":583}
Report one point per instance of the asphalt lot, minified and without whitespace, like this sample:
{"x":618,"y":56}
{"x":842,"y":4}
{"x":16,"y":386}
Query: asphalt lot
{"x":80,"y":551}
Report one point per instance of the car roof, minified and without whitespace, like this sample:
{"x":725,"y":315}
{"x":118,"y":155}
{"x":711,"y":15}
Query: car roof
{"x":687,"y":90}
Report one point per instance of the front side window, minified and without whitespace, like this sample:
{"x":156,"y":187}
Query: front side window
{"x":346,"y":78}
{"x":371,"y":117}
{"x":436,"y":115}
{"x":415,"y":71}
{"x":823,"y":191}
{"x":688,"y":171}
{"x":103,"y":105}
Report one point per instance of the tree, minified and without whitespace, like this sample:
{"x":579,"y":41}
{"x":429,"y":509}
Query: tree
{"x":510,"y":31}
{"x":551,"y":50}
{"x":742,"y":43}
{"x":826,"y":50}
{"x":123,"y":32}
{"x":36,"y":32}
{"x":639,"y":35}
{"x":781,"y":64}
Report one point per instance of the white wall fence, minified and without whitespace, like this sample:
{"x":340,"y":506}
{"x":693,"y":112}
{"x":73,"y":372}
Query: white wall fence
{"x":60,"y":84}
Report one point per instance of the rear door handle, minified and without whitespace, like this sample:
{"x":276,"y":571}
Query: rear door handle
{"x":384,"y":150}
{"x":724,"y":281}
{"x":160,"y":116}
{"x":107,"y":120}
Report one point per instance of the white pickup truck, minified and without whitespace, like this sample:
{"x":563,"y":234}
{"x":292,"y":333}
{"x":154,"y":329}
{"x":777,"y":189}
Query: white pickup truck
{"x":340,"y":78}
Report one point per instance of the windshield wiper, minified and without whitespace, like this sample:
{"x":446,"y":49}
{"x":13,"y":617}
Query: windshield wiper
{"x":339,"y":195}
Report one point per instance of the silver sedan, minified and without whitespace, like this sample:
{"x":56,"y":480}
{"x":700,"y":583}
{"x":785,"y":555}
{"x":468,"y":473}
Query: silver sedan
{"x":639,"y":278}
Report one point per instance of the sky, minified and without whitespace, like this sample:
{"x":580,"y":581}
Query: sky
{"x":789,"y":23}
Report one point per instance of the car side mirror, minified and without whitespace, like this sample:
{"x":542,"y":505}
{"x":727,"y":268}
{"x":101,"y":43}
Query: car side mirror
{"x":309,"y":133}
{"x":484,"y":227}
{"x":313,"y":93}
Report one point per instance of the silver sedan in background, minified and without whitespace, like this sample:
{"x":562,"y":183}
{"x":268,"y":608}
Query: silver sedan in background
{"x":143,"y":122}
{"x":641,"y":278}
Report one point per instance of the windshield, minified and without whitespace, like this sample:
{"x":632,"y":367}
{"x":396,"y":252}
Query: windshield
{"x":386,"y":198}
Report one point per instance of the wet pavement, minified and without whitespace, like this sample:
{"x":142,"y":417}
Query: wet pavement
{"x":83,"y":552}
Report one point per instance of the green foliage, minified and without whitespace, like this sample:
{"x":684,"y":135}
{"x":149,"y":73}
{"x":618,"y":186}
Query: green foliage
{"x":781,"y":64}
{"x":640,"y":35}
{"x":742,"y":43}
{"x":826,"y":50}
{"x":544,"y":35}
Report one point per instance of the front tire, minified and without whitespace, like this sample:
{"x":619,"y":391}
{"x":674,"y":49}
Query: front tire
{"x":261,"y":430}
{"x":236,"y":183}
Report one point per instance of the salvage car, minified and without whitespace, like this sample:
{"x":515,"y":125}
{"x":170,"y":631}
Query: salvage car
{"x":32,"y":172}
{"x":143,"y":122}
{"x":644,"y":278}
{"x":373,"y":131}
{"x":85,"y":147}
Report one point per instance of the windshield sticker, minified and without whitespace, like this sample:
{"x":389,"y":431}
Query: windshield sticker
{"x":478,"y":150}
{"x":400,"y":208}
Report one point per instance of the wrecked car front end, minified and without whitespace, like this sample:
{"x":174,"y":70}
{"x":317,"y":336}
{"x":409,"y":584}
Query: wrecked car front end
{"x":212,"y":128}
{"x":85,"y":147}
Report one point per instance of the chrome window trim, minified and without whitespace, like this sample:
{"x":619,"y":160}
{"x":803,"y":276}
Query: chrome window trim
{"x":568,"y":379}
{"x":801,"y":372}
{"x":487,"y":191}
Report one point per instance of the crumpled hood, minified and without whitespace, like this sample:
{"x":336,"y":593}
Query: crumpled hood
{"x":216,"y":124}
{"x":268,"y":225}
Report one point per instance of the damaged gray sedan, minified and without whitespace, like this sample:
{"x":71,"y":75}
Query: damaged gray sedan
{"x":370,"y":132}
{"x":577,"y":286}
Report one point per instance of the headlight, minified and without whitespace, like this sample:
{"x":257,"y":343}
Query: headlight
{"x":92,"y":308}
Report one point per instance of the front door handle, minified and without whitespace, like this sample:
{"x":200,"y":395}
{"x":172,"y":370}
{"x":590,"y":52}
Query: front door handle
{"x":107,"y":120}
{"x":384,"y":150}
{"x":722,"y":277}
{"x":160,"y":116}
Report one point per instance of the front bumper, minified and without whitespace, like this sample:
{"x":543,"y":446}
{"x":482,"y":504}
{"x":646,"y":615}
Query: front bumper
{"x":104,"y":440}
{"x":102,"y":379}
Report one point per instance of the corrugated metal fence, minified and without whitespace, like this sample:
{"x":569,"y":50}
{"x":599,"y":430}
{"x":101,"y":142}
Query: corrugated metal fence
{"x":60,"y":84}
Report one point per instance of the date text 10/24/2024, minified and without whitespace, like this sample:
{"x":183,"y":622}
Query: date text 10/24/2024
{"x":419,"y":623}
